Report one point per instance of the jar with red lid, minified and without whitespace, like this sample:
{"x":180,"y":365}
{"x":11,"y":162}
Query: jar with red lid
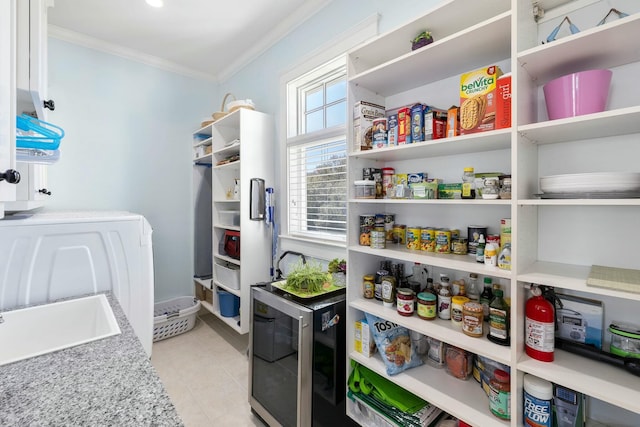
{"x":405,"y":301}
{"x":387,"y":182}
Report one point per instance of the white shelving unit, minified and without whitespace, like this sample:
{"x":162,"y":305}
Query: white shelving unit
{"x":248,"y":134}
{"x":554,"y":242}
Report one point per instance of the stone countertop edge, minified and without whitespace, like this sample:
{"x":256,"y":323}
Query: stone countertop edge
{"x":108,"y":382}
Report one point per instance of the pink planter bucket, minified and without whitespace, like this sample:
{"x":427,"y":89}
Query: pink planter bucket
{"x":576,"y":94}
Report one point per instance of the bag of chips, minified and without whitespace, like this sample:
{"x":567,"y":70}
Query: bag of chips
{"x":394,"y":344}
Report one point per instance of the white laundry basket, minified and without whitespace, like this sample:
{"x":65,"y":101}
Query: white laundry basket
{"x":174,"y":317}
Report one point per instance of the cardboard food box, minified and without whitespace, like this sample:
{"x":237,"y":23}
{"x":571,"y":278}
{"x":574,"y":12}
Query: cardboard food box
{"x":453,"y":121}
{"x":503,"y":102}
{"x":404,"y":126}
{"x":364,"y":342}
{"x":450,"y":191}
{"x":392,"y":132}
{"x":478,"y":100}
{"x":505,"y":231}
{"x":435,"y":123}
{"x":363,"y":115}
{"x":417,"y":123}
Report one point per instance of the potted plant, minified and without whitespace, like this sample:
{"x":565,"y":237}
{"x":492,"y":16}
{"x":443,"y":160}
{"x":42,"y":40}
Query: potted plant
{"x":338,"y":269}
{"x":421,"y":40}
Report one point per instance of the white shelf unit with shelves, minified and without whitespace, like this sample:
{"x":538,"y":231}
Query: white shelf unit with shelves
{"x":249,"y":135}
{"x":554,"y":241}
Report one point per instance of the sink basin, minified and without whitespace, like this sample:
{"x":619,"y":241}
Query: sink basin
{"x":42,"y":329}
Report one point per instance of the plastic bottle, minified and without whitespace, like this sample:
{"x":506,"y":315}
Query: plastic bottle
{"x":538,"y":398}
{"x":504,"y":259}
{"x":539,"y":327}
{"x":486,"y":297}
{"x":498,"y":319}
{"x":473,"y":293}
{"x":500,"y":394}
{"x":444,"y":300}
{"x":480,"y":249}
{"x":468,"y":184}
{"x":491,"y":255}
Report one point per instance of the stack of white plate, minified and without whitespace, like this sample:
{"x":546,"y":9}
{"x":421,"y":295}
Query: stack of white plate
{"x":596,"y":182}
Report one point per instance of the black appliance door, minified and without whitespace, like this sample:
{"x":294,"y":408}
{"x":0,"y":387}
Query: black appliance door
{"x":280,"y":360}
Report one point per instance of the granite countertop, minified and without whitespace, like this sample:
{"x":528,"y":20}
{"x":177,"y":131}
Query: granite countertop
{"x":109,"y":382}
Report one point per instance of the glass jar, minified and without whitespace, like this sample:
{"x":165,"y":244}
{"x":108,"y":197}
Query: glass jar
{"x":491,"y":188}
{"x":388,"y":286}
{"x":472,"y":319}
{"x":468,"y":184}
{"x":387,"y":182}
{"x":427,"y":306}
{"x":505,"y":189}
{"x":368,"y":286}
{"x":457,"y":302}
{"x":405,"y":302}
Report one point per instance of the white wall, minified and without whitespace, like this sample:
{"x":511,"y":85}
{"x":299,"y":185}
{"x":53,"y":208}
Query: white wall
{"x":128,"y":147}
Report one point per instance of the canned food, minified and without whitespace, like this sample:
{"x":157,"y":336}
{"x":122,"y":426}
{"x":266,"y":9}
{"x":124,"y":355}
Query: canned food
{"x":377,"y":238}
{"x":428,"y":239}
{"x":473,"y":235}
{"x":459,"y":246}
{"x":413,"y":238}
{"x":443,"y":241}
{"x":366,"y":224}
{"x":399,"y":233}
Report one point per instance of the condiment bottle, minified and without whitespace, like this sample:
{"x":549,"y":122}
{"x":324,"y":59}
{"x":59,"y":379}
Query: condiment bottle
{"x":388,"y":286}
{"x":457,"y":302}
{"x":500,"y":394}
{"x":485,"y":297}
{"x":368,"y":286}
{"x":504,"y":259}
{"x":491,"y":255}
{"x":472,"y":292}
{"x":539,"y":327}
{"x":498,"y":319}
{"x":480,"y":249}
{"x":468,"y":184}
{"x":444,"y":300}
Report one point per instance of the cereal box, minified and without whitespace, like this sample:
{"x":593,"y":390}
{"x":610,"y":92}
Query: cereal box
{"x":404,"y":126}
{"x":478,"y":100}
{"x":392,"y":131}
{"x":363,"y":115}
{"x":364,"y":344}
{"x":503,"y":102}
{"x":417,"y":123}
{"x":453,"y":122}
{"x":435,"y":123}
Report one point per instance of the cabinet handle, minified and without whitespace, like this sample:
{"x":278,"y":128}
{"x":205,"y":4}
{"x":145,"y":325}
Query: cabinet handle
{"x":44,"y":191}
{"x":11,"y":176}
{"x":50,"y":104}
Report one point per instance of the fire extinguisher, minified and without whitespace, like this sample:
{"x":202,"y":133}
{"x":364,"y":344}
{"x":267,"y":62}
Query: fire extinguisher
{"x":539,"y":326}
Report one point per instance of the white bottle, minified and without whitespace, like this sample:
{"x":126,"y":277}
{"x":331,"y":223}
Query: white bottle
{"x":236,"y":190}
{"x":491,"y":255}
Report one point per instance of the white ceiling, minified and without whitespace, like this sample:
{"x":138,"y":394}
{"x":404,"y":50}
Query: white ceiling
{"x":207,"y":38}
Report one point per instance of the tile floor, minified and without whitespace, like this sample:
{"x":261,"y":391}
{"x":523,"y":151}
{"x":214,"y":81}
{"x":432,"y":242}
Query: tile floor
{"x":205,"y":371}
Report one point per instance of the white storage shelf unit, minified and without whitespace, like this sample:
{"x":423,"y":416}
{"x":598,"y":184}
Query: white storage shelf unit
{"x":249,"y":135}
{"x":554,"y":242}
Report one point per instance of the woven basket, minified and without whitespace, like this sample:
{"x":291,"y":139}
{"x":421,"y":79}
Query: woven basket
{"x":220,"y":114}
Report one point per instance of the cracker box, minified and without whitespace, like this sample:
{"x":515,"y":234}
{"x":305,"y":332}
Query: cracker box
{"x":478,"y":100}
{"x":404,"y":126}
{"x":453,"y":121}
{"x":417,"y":123}
{"x":364,"y":343}
{"x":392,"y":132}
{"x":503,"y":102}
{"x":505,"y":231}
{"x":435,"y":123}
{"x":363,"y":115}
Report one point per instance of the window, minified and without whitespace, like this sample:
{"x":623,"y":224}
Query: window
{"x":316,"y":153}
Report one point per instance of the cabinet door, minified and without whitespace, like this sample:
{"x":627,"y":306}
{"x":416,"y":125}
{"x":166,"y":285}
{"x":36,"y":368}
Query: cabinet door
{"x":7,"y":98}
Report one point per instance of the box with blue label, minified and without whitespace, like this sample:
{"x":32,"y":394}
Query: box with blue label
{"x":580,"y":320}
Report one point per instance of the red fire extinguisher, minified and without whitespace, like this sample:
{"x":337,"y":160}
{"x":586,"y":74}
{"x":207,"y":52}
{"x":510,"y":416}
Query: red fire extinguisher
{"x":539,"y":327}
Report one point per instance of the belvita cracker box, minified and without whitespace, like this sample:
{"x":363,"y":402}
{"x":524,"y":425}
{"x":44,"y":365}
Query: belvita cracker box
{"x":478,"y":100}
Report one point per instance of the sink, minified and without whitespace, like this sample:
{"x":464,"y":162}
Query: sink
{"x":42,"y":329}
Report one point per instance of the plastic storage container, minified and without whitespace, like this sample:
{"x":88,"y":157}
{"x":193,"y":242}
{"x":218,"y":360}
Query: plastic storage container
{"x":576,"y":94}
{"x":174,"y":317}
{"x":228,"y":275}
{"x":365,"y":189}
{"x":229,"y":304}
{"x":625,"y":339}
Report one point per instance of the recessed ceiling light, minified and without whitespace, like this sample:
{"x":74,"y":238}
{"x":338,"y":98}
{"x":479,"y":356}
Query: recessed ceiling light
{"x":155,"y":3}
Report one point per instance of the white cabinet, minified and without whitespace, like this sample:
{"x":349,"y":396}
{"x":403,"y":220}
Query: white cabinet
{"x":234,"y":149}
{"x":554,"y":242}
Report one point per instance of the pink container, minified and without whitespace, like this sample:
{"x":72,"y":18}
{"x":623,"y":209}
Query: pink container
{"x":576,"y":94}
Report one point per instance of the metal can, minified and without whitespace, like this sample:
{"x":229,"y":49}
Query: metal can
{"x":413,"y":238}
{"x":405,"y":301}
{"x":473,"y":236}
{"x":455,"y":234}
{"x":428,"y":239}
{"x":368,"y":286}
{"x":366,"y":224}
{"x":389,"y":220}
{"x":459,"y":246}
{"x":377,"y":238}
{"x":443,"y":241}
{"x":399,"y":233}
